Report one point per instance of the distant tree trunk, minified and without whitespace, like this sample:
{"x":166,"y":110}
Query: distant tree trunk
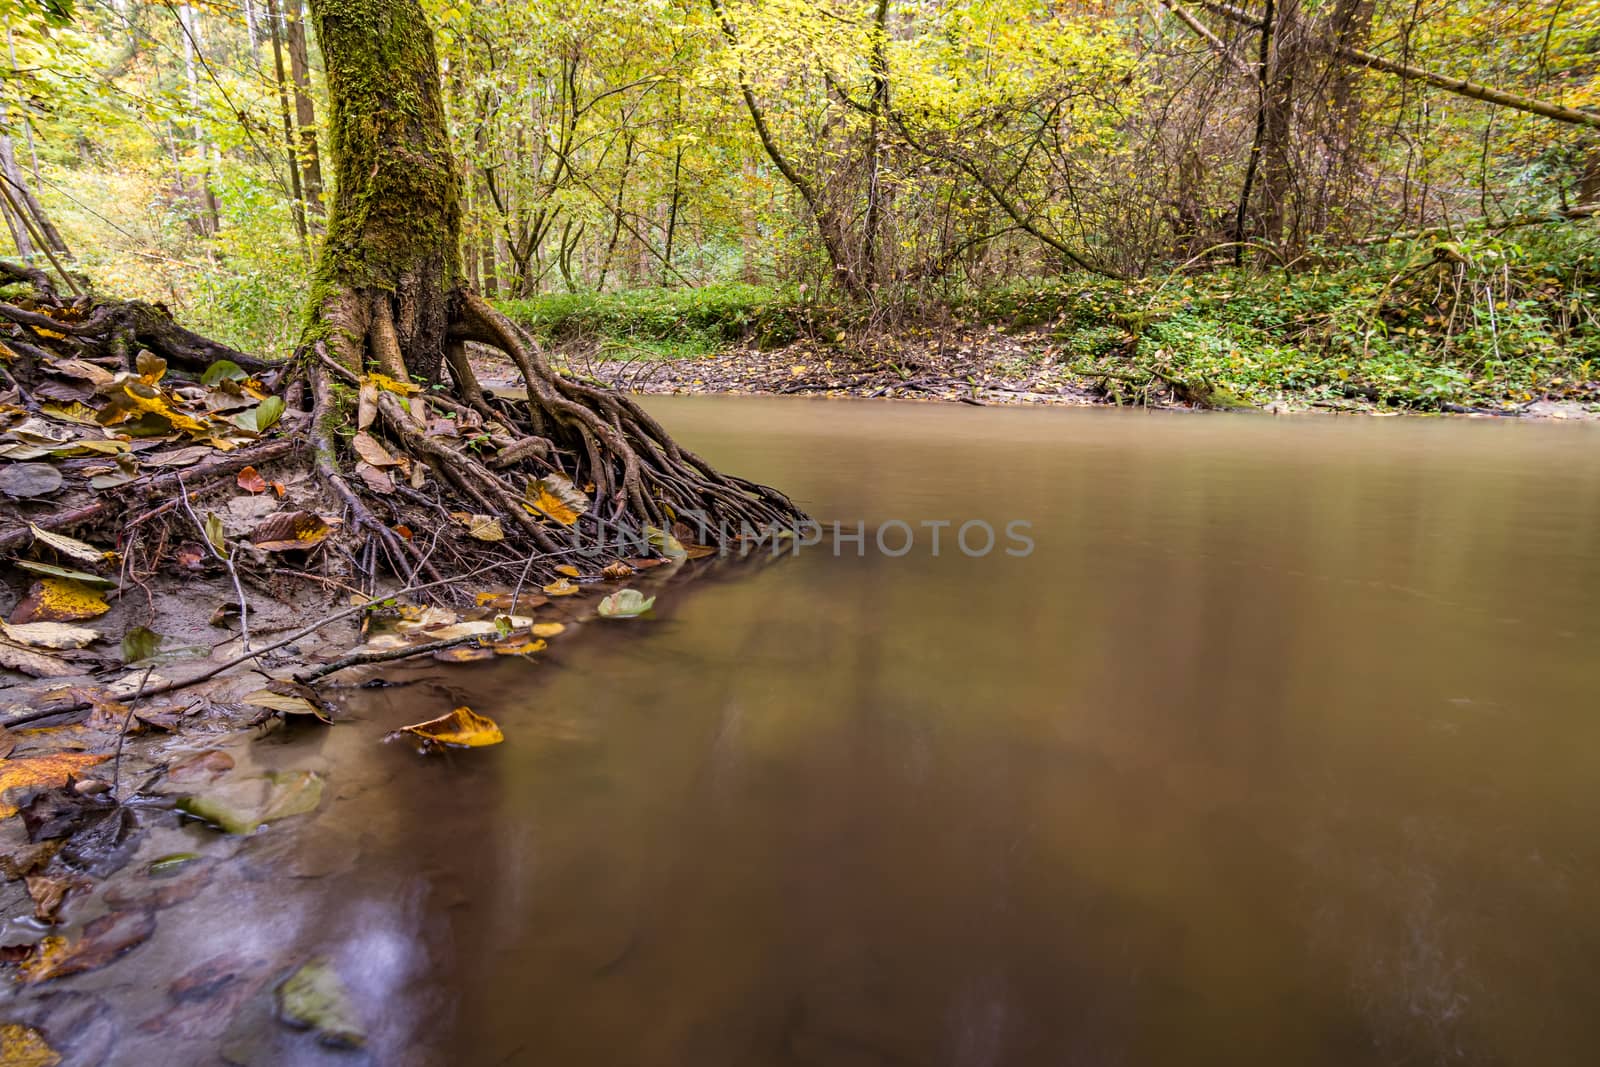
{"x":305,"y":111}
{"x":295,"y":185}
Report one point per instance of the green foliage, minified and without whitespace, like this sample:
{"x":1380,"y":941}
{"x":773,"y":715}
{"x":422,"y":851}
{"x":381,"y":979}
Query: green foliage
{"x":687,"y":321}
{"x":1477,"y":321}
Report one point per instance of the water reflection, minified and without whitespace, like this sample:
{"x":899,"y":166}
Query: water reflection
{"x":1277,"y":749}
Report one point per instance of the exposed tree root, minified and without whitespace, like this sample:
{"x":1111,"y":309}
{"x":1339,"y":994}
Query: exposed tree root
{"x":412,"y":454}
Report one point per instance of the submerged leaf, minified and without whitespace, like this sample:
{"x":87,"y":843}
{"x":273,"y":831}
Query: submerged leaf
{"x":140,"y":643}
{"x":241,"y":807}
{"x":313,"y":998}
{"x":100,"y":942}
{"x":625,"y":604}
{"x":463,"y":728}
{"x":562,"y":587}
{"x":23,"y":1046}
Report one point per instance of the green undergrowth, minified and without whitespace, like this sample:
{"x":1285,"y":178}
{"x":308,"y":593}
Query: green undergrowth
{"x":1482,"y":321}
{"x":666,"y":323}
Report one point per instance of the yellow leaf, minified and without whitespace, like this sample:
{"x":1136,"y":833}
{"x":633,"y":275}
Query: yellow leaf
{"x":391,"y":385}
{"x":557,"y":498}
{"x":569,"y":570}
{"x":59,"y":600}
{"x":547,"y":629}
{"x":41,"y":772}
{"x":798,"y":369}
{"x":519,"y":645}
{"x":562,"y":587}
{"x":157,"y":404}
{"x":23,"y":1046}
{"x":481,"y":527}
{"x":463,"y":727}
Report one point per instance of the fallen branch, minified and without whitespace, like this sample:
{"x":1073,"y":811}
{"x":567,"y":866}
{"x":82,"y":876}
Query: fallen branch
{"x":385,"y":655}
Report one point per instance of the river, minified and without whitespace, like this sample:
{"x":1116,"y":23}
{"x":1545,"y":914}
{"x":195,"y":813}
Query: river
{"x":1279,"y":746}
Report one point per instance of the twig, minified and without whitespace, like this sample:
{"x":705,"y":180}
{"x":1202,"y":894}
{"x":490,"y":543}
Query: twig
{"x":384,"y":655}
{"x":227,"y":561}
{"x":116,"y":763}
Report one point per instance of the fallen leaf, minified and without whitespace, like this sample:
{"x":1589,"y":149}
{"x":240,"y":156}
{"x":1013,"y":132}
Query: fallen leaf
{"x":625,"y":604}
{"x":250,"y":481}
{"x":481,"y":527}
{"x":289,"y":531}
{"x":379,"y":481}
{"x":49,"y":893}
{"x":59,"y":600}
{"x":49,"y":571}
{"x":569,"y":570}
{"x":519,"y":645}
{"x":242,"y":807}
{"x":288,"y":703}
{"x":149,"y":398}
{"x":223,"y":370}
{"x":41,"y":772}
{"x":151,"y":367}
{"x":214,"y":533}
{"x":8,"y":741}
{"x":38,"y":664}
{"x":313,"y":998}
{"x":49,"y":634}
{"x":100,"y":942}
{"x":555,"y":497}
{"x":463,"y":654}
{"x":562,"y":587}
{"x":668,"y":545}
{"x":24,"y":480}
{"x":367,"y":447}
{"x":179,"y":457}
{"x":617,"y":569}
{"x":23,"y":1046}
{"x":699,"y":551}
{"x":140,"y":643}
{"x":462,"y":728}
{"x":132,"y":682}
{"x":68,"y":546}
{"x":547,"y":629}
{"x":461,"y":629}
{"x":262,"y":417}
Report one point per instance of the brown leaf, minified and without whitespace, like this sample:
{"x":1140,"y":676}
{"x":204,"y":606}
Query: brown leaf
{"x":100,"y":942}
{"x":367,"y":447}
{"x":617,"y":569}
{"x":379,"y":481}
{"x":49,"y":893}
{"x":290,"y":531}
{"x":463,"y":654}
{"x":8,"y":741}
{"x":250,"y":481}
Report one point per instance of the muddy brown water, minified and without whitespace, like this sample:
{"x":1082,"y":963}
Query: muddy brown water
{"x":1281,"y":747}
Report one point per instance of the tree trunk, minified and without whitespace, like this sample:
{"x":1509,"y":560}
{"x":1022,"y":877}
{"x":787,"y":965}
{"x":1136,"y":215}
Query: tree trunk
{"x":305,"y":111}
{"x":389,"y":262}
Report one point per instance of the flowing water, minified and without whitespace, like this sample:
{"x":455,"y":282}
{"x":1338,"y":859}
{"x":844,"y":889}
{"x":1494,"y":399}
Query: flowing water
{"x":1280,"y":747}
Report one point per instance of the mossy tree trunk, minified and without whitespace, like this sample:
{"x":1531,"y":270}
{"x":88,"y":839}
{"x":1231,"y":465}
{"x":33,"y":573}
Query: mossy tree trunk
{"x":390,"y":264}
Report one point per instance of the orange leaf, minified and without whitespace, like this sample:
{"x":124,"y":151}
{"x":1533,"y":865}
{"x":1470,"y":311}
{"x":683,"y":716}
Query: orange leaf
{"x":251,"y":481}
